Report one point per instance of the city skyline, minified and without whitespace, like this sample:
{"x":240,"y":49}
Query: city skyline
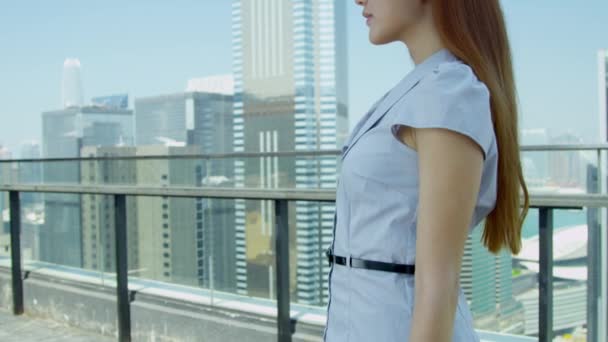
{"x":140,"y":66}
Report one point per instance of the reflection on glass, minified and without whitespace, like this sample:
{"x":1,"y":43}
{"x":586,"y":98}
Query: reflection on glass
{"x":5,"y":237}
{"x":558,"y":171}
{"x":184,"y":241}
{"x":570,"y":271}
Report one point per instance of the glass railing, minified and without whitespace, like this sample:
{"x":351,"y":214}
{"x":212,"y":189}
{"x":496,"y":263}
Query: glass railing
{"x":187,"y":232}
{"x":564,"y":168}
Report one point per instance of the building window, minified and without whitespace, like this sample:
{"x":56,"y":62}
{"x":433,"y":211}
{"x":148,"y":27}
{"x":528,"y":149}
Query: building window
{"x":199,"y":235}
{"x":166,"y":255}
{"x":165,"y":235}
{"x":167,"y":265}
{"x":165,"y":216}
{"x":164,"y":177}
{"x":200,"y":254}
{"x":167,"y":274}
{"x":165,"y":245}
{"x":165,"y":225}
{"x":165,"y":206}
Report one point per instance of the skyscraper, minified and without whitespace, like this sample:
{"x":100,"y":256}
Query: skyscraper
{"x":30,"y":172}
{"x":602,"y":66}
{"x":535,"y":164}
{"x":200,"y":121}
{"x":171,"y":230}
{"x":290,"y":94}
{"x":64,"y":133}
{"x":97,"y":211}
{"x":603,"y":113}
{"x":5,"y":178}
{"x":568,"y":169}
{"x":8,"y":175}
{"x":486,"y":282}
{"x":221,"y":84}
{"x":186,"y":118}
{"x":71,"y":90}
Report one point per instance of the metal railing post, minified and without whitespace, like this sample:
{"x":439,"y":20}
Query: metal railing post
{"x":17,"y":279}
{"x":593,"y":252}
{"x":282,"y":270}
{"x":122,"y":280}
{"x":603,"y":264}
{"x":593,"y":273}
{"x":545,"y":275}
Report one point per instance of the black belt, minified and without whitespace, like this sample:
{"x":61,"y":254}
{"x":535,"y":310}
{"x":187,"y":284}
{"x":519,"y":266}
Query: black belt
{"x":369,"y":264}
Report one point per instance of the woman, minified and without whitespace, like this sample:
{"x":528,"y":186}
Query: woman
{"x":432,"y":159}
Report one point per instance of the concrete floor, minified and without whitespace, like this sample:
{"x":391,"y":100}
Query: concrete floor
{"x":26,"y":329}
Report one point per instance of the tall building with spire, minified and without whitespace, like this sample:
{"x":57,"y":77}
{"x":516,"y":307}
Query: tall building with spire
{"x":291,"y":93}
{"x":71,"y":88}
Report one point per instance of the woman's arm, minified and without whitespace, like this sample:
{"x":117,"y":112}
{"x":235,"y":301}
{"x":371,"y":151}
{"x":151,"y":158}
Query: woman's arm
{"x":450,"y":167}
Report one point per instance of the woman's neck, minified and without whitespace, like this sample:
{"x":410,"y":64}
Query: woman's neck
{"x":423,"y":41}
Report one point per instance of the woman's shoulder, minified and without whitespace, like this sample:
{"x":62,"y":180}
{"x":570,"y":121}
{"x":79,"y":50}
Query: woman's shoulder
{"x":454,"y":81}
{"x":449,"y":96}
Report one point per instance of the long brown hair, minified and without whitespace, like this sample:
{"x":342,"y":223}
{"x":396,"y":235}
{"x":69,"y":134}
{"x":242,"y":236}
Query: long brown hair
{"x":475,"y":32}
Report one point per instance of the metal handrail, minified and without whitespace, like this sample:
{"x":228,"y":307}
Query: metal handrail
{"x":313,"y":153}
{"x":564,"y":147}
{"x":177,"y":191}
{"x":574,"y":201}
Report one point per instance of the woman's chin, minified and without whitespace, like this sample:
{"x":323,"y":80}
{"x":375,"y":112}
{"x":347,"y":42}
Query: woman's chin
{"x":378,"y":39}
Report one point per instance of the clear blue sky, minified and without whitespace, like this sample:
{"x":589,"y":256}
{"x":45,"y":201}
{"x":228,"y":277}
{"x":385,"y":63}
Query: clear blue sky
{"x":153,"y":47}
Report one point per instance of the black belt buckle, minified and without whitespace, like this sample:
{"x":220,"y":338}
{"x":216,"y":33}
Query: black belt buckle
{"x":329,"y":255}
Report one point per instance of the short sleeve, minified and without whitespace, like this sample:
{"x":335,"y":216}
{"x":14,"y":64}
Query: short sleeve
{"x":450,"y":97}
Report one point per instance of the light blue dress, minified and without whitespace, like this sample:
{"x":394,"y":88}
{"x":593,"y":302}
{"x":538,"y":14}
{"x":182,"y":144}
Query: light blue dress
{"x":377,"y":199}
